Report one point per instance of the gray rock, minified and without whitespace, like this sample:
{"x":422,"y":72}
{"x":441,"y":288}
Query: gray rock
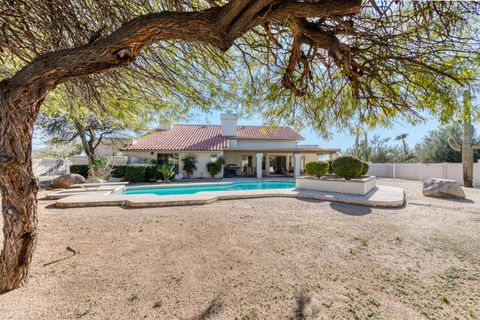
{"x":67,"y":180}
{"x":112,"y":179}
{"x":442,"y":188}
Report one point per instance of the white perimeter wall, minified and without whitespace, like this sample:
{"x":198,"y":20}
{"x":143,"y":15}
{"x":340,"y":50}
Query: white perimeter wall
{"x":43,"y":167}
{"x":423,"y":171}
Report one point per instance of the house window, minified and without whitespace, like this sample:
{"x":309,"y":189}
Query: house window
{"x":168,"y":158}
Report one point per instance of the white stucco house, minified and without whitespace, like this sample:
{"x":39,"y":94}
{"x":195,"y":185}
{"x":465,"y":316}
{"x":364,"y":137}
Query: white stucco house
{"x":255,"y":151}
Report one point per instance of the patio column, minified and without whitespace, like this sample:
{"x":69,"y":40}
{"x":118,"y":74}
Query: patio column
{"x":297,"y":162}
{"x":259,"y":165}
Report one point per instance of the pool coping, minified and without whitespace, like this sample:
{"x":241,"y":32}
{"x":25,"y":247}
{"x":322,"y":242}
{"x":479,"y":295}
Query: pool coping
{"x":380,"y":196}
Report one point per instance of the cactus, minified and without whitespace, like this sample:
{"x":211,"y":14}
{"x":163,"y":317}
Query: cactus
{"x":467,"y":148}
{"x":366,"y":151}
{"x":356,"y":152}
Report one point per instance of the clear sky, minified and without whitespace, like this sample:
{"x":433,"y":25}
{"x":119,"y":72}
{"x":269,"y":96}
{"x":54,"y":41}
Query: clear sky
{"x":340,"y":140}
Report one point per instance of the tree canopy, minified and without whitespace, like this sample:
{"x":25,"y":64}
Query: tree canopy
{"x":325,"y":64}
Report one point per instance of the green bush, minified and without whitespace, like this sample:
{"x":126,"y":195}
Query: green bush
{"x":100,"y":168}
{"x":214,"y":168}
{"x":152,"y":173}
{"x":330,"y":166}
{"x":347,"y":167}
{"x":364,"y":168}
{"x":189,"y":164}
{"x":316,"y":168}
{"x":167,"y":172}
{"x":81,"y":169}
{"x":135,"y":173}
{"x":118,"y":171}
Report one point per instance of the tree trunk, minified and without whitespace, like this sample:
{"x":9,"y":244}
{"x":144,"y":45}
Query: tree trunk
{"x":467,"y":154}
{"x":18,"y":188}
{"x":89,"y":151}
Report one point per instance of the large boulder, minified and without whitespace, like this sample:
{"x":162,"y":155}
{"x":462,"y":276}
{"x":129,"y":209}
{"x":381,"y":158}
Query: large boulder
{"x":67,"y":180}
{"x":442,"y":188}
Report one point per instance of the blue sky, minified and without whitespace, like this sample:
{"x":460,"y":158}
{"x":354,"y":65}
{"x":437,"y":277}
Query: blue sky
{"x":340,"y":140}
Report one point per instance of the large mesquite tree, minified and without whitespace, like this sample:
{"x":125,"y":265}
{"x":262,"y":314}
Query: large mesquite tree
{"x":322,"y":62}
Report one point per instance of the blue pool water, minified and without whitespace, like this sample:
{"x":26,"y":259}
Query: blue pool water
{"x":191,"y":189}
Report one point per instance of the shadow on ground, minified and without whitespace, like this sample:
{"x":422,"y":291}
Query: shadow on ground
{"x":350,"y":209}
{"x":457,"y":200}
{"x":213,"y":308}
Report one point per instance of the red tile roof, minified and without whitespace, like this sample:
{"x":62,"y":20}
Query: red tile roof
{"x":187,"y":137}
{"x":260,"y":132}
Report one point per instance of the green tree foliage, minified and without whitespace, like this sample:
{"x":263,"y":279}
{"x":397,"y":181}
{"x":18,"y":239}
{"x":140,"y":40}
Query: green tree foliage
{"x":57,"y":150}
{"x":435,"y":148}
{"x":87,"y":128}
{"x":384,"y":72}
{"x":401,"y":137}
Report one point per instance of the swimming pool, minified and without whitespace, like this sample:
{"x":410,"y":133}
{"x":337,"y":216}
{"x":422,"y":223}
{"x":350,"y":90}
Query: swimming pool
{"x":191,"y":189}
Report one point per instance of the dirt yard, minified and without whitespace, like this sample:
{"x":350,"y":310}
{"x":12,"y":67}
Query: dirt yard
{"x":257,"y":259}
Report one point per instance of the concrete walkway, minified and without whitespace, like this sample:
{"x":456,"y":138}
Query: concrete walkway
{"x":381,"y":196}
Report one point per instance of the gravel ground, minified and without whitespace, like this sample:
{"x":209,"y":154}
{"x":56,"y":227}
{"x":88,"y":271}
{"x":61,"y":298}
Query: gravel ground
{"x":257,"y":259}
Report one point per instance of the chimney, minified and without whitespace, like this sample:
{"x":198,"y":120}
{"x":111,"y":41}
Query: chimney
{"x":229,"y":124}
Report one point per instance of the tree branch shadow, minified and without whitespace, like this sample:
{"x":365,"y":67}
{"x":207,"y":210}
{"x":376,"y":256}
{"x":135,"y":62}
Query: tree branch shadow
{"x":213,"y":308}
{"x":58,"y":260}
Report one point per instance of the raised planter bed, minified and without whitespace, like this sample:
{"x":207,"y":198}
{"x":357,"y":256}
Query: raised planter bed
{"x":362,"y":185}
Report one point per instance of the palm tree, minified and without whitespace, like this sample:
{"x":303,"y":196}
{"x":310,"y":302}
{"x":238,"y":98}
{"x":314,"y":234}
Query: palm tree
{"x":402,"y":137}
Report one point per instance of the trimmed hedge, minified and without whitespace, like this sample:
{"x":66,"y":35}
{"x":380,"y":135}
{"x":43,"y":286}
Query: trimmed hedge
{"x":130,"y":172}
{"x":364,"y":168}
{"x":81,"y":169}
{"x":118,"y":171}
{"x":316,"y":168}
{"x":330,"y":166}
{"x":347,"y":167}
{"x":153,"y":173}
{"x":135,"y":173}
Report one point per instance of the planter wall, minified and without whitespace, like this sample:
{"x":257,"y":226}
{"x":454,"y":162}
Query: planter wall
{"x":360,"y":186}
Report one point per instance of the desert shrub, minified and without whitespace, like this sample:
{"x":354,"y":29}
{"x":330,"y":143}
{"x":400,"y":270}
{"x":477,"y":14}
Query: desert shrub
{"x":167,"y":172}
{"x":214,"y":168}
{"x":330,"y":166}
{"x":135,"y":173}
{"x":81,"y":169}
{"x":100,"y":168}
{"x":347,"y":167}
{"x":189,"y":164}
{"x":118,"y":171}
{"x":316,"y":168}
{"x":364,"y":168}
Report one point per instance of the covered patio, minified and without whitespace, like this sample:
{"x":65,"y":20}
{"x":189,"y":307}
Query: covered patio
{"x":258,"y":163}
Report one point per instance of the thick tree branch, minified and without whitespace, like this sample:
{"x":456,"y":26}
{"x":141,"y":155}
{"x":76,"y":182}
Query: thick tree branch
{"x":123,"y":46}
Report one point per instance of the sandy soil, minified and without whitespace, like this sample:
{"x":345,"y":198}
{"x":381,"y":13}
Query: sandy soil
{"x":257,"y":259}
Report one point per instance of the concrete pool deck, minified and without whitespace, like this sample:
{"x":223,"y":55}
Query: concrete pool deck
{"x":380,"y":196}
